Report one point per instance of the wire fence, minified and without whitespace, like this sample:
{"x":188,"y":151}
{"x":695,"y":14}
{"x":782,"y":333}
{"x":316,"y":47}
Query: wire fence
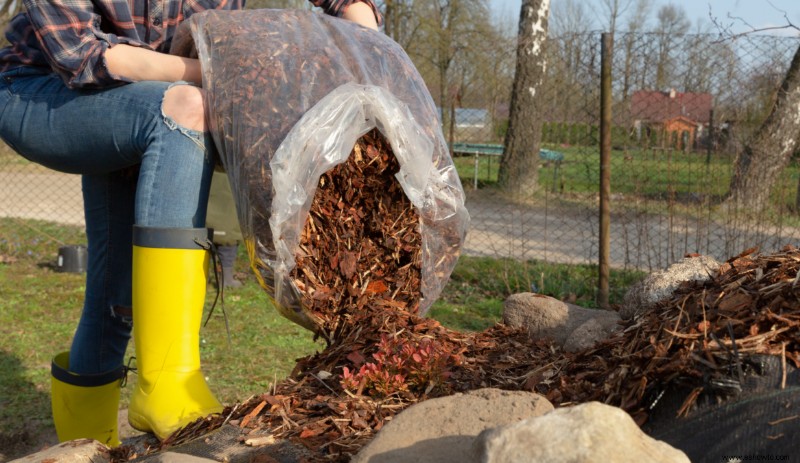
{"x":683,"y":109}
{"x":684,"y":106}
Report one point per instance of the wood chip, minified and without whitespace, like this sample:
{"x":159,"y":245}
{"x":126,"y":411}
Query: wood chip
{"x":259,"y":441}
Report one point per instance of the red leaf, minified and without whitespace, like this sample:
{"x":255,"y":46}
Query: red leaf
{"x":356,"y":357}
{"x":377,"y":287}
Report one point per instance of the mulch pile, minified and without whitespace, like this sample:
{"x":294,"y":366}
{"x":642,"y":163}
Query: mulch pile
{"x":361,"y":246}
{"x":359,"y":272}
{"x":701,"y":339}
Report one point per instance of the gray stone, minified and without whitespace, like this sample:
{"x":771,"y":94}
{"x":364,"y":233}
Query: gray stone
{"x":585,"y":433}
{"x":229,"y":444}
{"x":587,"y":335}
{"x":442,"y":430}
{"x":74,"y":451}
{"x":661,"y":285}
{"x":546,"y":317}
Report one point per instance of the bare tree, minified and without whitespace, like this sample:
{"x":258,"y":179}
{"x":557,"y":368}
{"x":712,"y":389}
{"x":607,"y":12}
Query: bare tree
{"x":672,"y":22}
{"x":445,"y":34}
{"x":770,"y":148}
{"x":613,"y":10}
{"x":518,"y":166}
{"x":569,"y":17}
{"x":637,"y":21}
{"x":768,"y":152}
{"x":399,"y":21}
{"x":569,"y":46}
{"x":487,"y":72}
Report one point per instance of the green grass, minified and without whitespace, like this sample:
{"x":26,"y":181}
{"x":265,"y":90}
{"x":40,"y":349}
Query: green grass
{"x":634,"y":172}
{"x":39,"y":309}
{"x":473,"y":298}
{"x":38,"y":312}
{"x":650,"y":181}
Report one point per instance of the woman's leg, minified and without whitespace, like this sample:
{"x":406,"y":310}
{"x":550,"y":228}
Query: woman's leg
{"x":102,"y":134}
{"x":104,"y":329}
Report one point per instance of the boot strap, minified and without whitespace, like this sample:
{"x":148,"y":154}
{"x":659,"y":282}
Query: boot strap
{"x":219,"y":275}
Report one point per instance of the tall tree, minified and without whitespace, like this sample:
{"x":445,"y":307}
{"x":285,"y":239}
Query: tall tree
{"x":613,"y":10}
{"x":399,"y":21}
{"x":768,"y":152}
{"x":568,"y":36}
{"x":672,"y":22}
{"x":569,"y":17}
{"x":484,"y":75}
{"x":447,"y":30}
{"x":637,"y":21}
{"x":518,"y":172}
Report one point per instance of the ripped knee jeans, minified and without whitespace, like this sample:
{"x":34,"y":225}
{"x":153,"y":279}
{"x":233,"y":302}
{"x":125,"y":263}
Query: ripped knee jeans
{"x":138,"y":167}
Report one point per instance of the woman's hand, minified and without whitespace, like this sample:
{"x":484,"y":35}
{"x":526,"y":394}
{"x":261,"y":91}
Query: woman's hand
{"x":361,"y":13}
{"x":138,"y":64}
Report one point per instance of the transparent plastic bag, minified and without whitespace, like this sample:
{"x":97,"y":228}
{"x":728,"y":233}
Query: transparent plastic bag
{"x":289,"y":94}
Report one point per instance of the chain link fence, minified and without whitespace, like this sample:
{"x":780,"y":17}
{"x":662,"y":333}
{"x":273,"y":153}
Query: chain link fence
{"x":684,"y":106}
{"x":683,"y":109}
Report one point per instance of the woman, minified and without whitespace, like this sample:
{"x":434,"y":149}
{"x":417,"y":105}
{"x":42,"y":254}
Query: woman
{"x":89,"y":88}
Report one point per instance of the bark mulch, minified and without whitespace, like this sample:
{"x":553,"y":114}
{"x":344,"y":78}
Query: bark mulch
{"x":358,"y":269}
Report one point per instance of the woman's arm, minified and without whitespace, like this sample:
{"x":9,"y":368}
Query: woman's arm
{"x":361,"y":13}
{"x":137,"y":64}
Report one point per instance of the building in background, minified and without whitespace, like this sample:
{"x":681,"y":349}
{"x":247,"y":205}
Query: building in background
{"x":671,"y":119}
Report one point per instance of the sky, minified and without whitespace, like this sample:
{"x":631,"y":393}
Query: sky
{"x":758,"y":13}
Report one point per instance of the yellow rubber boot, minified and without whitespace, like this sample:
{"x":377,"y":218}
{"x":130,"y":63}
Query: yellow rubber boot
{"x":169,"y":287}
{"x":85,"y":406}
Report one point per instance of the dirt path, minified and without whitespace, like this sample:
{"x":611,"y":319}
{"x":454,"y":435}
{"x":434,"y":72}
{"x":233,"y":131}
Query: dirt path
{"x":497,"y":228}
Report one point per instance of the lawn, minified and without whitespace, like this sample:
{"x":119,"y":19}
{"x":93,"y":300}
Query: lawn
{"x":39,"y":308}
{"x":642,"y":172}
{"x":653,"y":181}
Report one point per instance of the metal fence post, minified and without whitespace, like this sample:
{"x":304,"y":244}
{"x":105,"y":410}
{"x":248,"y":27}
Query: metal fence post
{"x":605,"y":168}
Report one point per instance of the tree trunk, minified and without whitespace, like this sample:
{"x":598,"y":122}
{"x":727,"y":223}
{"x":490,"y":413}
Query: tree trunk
{"x":518,"y":173}
{"x":768,"y":152}
{"x":389,"y":14}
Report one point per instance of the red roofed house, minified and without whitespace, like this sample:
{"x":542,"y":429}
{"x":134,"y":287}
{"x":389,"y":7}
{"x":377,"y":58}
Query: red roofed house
{"x":679,"y":119}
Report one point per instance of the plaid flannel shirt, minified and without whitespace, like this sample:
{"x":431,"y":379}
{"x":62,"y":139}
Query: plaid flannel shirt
{"x":70,"y":37}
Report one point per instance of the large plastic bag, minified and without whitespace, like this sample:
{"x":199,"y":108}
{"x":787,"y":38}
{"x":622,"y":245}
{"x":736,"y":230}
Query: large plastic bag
{"x":289,"y":94}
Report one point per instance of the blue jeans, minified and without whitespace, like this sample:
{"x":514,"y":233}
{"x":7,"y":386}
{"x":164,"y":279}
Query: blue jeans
{"x":137,"y":166}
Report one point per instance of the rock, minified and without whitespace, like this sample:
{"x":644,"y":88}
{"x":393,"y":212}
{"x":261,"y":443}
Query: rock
{"x":541,"y":315}
{"x":232,"y":444}
{"x":660,"y":285}
{"x":547,"y":317}
{"x":442,"y":430}
{"x":588,"y":432}
{"x":74,"y":451}
{"x":586,"y":335}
